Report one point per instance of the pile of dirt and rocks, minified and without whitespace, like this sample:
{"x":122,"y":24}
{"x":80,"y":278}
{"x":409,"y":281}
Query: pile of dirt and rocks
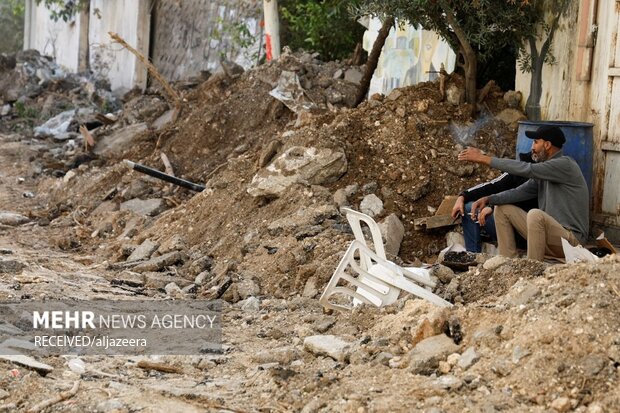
{"x":279,"y":151}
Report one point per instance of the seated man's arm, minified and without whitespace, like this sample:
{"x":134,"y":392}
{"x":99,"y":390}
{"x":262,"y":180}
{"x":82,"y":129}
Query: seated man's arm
{"x":528,"y":190}
{"x":554,"y":170}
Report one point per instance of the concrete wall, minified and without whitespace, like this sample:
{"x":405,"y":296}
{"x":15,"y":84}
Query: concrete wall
{"x":409,"y":54}
{"x":64,"y":41}
{"x":192,"y":35}
{"x":584,"y":85}
{"x":130,"y":19}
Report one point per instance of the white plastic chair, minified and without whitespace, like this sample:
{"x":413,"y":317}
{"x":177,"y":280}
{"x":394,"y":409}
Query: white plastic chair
{"x":355,"y":218}
{"x":371,"y":280}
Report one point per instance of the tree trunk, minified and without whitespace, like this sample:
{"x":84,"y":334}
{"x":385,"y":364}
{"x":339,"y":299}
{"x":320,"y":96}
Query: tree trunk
{"x":373,"y":60}
{"x":532,"y":106}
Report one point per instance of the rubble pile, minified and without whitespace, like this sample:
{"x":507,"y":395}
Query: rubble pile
{"x":279,"y":151}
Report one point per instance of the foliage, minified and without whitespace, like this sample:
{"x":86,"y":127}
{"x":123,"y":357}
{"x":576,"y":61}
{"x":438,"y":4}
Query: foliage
{"x":25,"y":112}
{"x":325,"y":26}
{"x":64,"y":9}
{"x":11,"y":25}
{"x":239,"y":37}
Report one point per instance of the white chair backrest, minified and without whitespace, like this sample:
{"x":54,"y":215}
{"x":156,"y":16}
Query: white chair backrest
{"x":355,"y":219}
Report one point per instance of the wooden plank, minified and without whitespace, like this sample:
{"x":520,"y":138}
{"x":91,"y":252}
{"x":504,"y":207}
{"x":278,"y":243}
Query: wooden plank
{"x":436,"y":221}
{"x":611,"y":191}
{"x":610,"y":146}
{"x":445,"y":208}
{"x":614,"y":72}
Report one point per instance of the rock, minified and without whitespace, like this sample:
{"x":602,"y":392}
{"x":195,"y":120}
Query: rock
{"x":57,"y":127}
{"x":309,"y":166}
{"x":443,"y":273}
{"x":513,"y":99}
{"x":200,"y":265}
{"x":340,"y":198}
{"x":425,"y":356}
{"x":434,"y":322}
{"x":144,"y":251}
{"x":28,"y":362}
{"x":337,"y":74}
{"x":147,"y":207}
{"x":250,"y":304}
{"x":203,"y":278}
{"x":392,"y":232}
{"x":4,"y":394}
{"x":313,"y":406}
{"x":5,"y":110}
{"x":120,"y":141}
{"x":77,"y":365}
{"x":174,"y":291}
{"x":371,"y":205}
{"x":247,"y":287}
{"x":12,"y":219}
{"x":468,"y":358}
{"x":454,"y":95}
{"x":447,"y":382}
{"x":130,"y":278}
{"x":595,"y":408}
{"x":11,"y":266}
{"x":370,"y":188}
{"x":324,"y":324}
{"x":110,"y":406}
{"x":159,"y":263}
{"x":310,"y":288}
{"x":501,"y":367}
{"x":158,"y":281}
{"x":561,"y":404}
{"x":353,"y":75}
{"x":592,"y":364}
{"x":283,"y":355}
{"x":163,"y":120}
{"x":328,"y":345}
{"x":351,"y":190}
{"x":494,"y":263}
{"x":511,"y":117}
{"x":176,"y":243}
{"x":138,"y":188}
{"x":394,"y":95}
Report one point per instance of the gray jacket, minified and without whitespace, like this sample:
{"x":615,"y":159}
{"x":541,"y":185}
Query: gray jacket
{"x":559,"y":185}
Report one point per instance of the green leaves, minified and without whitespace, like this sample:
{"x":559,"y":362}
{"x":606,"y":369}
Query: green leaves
{"x":63,"y":9}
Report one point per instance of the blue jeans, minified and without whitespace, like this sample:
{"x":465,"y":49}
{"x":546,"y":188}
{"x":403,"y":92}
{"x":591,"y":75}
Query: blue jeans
{"x":471,"y":230}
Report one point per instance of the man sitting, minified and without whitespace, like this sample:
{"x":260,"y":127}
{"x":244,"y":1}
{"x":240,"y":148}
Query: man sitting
{"x":558,"y":184}
{"x":472,"y":225}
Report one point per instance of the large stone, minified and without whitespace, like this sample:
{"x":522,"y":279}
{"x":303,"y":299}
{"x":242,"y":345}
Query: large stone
{"x":426,"y":355}
{"x":430,"y":325}
{"x":392,"y":231}
{"x":328,"y":345}
{"x":353,"y":75}
{"x":120,"y":141}
{"x":495,"y":262}
{"x":468,"y":358}
{"x":12,"y":219}
{"x":283,"y":355}
{"x":310,"y":166}
{"x":159,"y":263}
{"x":145,"y":207}
{"x":11,"y":266}
{"x":144,"y":251}
{"x":371,"y":205}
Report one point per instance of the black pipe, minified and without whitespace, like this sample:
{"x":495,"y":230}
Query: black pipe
{"x":164,"y":177}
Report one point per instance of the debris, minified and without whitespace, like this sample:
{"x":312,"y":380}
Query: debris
{"x":144,"y":207}
{"x":29,"y":362}
{"x":290,"y":92}
{"x":57,"y":399}
{"x":165,"y":177}
{"x":12,"y":219}
{"x":165,"y":368}
{"x":329,"y":345}
{"x":442,"y":217}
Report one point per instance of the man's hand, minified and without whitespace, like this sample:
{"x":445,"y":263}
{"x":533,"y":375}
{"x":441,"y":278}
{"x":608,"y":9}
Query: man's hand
{"x":474,"y":155}
{"x":483,"y":214}
{"x":459,"y":207}
{"x":478,"y":206}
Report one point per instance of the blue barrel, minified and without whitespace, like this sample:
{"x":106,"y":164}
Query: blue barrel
{"x":578,"y":142}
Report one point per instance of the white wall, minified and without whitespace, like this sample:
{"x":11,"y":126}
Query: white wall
{"x":130,"y":19}
{"x":60,"y":40}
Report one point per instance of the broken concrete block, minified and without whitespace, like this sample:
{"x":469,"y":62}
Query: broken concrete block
{"x":118,"y":142}
{"x":130,"y":278}
{"x":174,"y":291}
{"x":309,"y":166}
{"x":200,"y":265}
{"x":511,"y":117}
{"x":28,"y":362}
{"x":328,"y":345}
{"x":159,"y":263}
{"x":143,"y":251}
{"x":468,"y":358}
{"x":146,"y":207}
{"x":371,"y":205}
{"x":392,"y":232}
{"x":12,"y":219}
{"x":426,"y":355}
{"x":455,"y":95}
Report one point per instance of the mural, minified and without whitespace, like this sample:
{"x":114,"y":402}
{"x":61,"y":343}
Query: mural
{"x":410,"y":55}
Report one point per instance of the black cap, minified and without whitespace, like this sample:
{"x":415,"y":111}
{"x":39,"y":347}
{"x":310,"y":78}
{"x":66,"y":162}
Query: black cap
{"x":551,"y":134}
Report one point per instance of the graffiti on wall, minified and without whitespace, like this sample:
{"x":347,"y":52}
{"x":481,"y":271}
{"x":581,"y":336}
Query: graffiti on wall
{"x":410,"y":55}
